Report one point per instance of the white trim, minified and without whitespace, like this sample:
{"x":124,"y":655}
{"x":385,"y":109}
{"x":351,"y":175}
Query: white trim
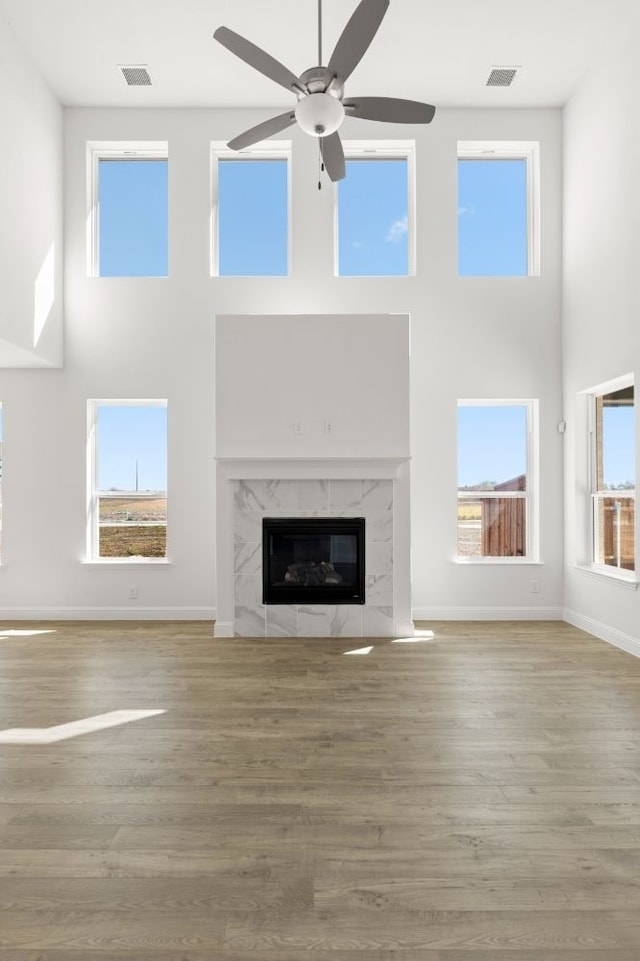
{"x":266,"y":150}
{"x":98,"y":150}
{"x":310,"y":468}
{"x":487,"y":614}
{"x":621,"y":640}
{"x":223,"y":629}
{"x":382,"y":150}
{"x":529,"y":151}
{"x":614,"y":575}
{"x":108,"y":614}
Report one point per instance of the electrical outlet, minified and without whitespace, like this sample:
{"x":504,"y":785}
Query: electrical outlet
{"x":133,"y":593}
{"x":328,"y":426}
{"x":298,"y":427}
{"x":535,"y":587}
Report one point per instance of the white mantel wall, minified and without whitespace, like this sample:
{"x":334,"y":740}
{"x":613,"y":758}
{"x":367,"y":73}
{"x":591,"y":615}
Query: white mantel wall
{"x":601,"y":302}
{"x":155,"y":338}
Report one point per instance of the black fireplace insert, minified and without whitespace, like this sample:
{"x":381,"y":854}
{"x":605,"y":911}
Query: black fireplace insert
{"x":313,"y":560}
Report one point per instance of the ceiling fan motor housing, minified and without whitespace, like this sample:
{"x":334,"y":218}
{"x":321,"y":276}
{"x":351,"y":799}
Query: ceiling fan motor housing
{"x":319,"y":114}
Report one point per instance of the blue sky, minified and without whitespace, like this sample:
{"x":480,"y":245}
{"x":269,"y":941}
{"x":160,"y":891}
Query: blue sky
{"x":492,"y":218}
{"x":129,"y":434}
{"x":372,"y":219}
{"x":619,"y":453}
{"x":492,"y":444}
{"x":133,"y":218}
{"x":253,"y":208}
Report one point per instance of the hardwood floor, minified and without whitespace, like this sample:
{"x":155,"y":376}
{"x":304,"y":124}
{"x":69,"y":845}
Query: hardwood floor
{"x":475,"y":797}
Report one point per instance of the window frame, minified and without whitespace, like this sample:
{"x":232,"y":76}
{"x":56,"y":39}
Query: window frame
{"x":530,"y":495}
{"x":267,"y":150}
{"x":596,"y":493}
{"x":94,"y":494}
{"x":381,"y":150}
{"x":98,"y":150}
{"x":529,"y":151}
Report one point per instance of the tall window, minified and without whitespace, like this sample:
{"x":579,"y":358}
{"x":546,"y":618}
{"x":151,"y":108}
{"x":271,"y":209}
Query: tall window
{"x":251,"y":211}
{"x":498,"y":202}
{"x":127,"y":479}
{"x":496,"y":479}
{"x":613,"y":442}
{"x":374,"y":214}
{"x":129,"y":210}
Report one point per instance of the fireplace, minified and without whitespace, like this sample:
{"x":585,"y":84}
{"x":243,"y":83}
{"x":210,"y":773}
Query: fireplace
{"x":313,"y":560}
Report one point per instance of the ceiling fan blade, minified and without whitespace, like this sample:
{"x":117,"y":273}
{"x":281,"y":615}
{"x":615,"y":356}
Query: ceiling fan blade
{"x":258,"y":59}
{"x":263,"y":130}
{"x":356,"y":36}
{"x":333,"y":156}
{"x":389,"y":109}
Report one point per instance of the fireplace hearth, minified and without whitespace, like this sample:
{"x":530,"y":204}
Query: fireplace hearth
{"x":313,"y":560}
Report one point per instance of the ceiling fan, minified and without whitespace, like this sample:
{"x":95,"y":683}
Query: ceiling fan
{"x":320,"y":90}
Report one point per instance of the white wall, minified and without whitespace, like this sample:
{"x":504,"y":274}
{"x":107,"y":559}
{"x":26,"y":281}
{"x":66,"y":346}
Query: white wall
{"x":276,"y":375}
{"x":31,"y":253}
{"x":155,"y":338}
{"x":601,"y":300}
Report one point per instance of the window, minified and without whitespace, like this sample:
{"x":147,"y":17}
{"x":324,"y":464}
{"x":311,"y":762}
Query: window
{"x":127,"y":480}
{"x":498,"y":209}
{"x":613,"y":446}
{"x":374,"y":211}
{"x":251,"y":211}
{"x":496,"y":479}
{"x":128,"y":203}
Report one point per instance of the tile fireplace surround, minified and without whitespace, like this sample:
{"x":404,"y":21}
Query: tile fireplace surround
{"x":250,"y":489}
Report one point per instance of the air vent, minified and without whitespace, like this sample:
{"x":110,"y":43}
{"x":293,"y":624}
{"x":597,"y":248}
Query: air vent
{"x":136,"y":76}
{"x":502,"y":76}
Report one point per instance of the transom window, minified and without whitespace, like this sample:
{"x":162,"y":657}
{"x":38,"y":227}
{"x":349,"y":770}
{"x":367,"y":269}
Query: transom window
{"x":498,"y":209}
{"x":497,"y":479}
{"x":375,"y":232}
{"x":127,"y":516}
{"x":250,"y":204}
{"x":128,"y":207}
{"x":613,"y":446}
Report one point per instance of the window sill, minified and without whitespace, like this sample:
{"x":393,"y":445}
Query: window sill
{"x":492,"y":561}
{"x":628,"y":579}
{"x":136,"y":563}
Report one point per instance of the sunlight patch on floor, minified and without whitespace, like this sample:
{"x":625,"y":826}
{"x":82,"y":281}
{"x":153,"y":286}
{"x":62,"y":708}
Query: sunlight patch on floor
{"x":63,"y":732}
{"x":14,"y":633}
{"x":417,"y":637}
{"x":361,"y":650}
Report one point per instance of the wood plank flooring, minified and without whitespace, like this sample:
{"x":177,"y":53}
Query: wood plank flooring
{"x":474,"y":797}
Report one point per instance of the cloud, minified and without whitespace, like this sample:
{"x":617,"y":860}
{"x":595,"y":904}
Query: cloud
{"x":358,"y":245}
{"x":470,"y":211}
{"x":398,"y":230}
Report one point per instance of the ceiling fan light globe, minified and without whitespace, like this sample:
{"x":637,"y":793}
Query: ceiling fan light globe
{"x":319,"y":114}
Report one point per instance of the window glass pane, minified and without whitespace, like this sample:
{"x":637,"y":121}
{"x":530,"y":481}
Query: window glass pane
{"x":132,"y":527}
{"x":492,"y":448}
{"x":617,"y":440}
{"x":492,"y":527}
{"x":132,"y":448}
{"x":615,"y":532}
{"x":253,"y":212}
{"x":373,"y":212}
{"x":492,"y":218}
{"x":133,"y":218}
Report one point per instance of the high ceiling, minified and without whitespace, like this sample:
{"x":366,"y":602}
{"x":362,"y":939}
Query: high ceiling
{"x":440,"y":51}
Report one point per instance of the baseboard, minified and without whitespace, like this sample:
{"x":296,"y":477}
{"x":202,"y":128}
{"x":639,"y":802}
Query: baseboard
{"x":625,"y":642}
{"x":223,"y":629}
{"x":131,"y":613}
{"x":487,"y":614}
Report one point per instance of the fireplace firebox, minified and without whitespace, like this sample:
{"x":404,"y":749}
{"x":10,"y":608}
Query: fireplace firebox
{"x":313,"y":560}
